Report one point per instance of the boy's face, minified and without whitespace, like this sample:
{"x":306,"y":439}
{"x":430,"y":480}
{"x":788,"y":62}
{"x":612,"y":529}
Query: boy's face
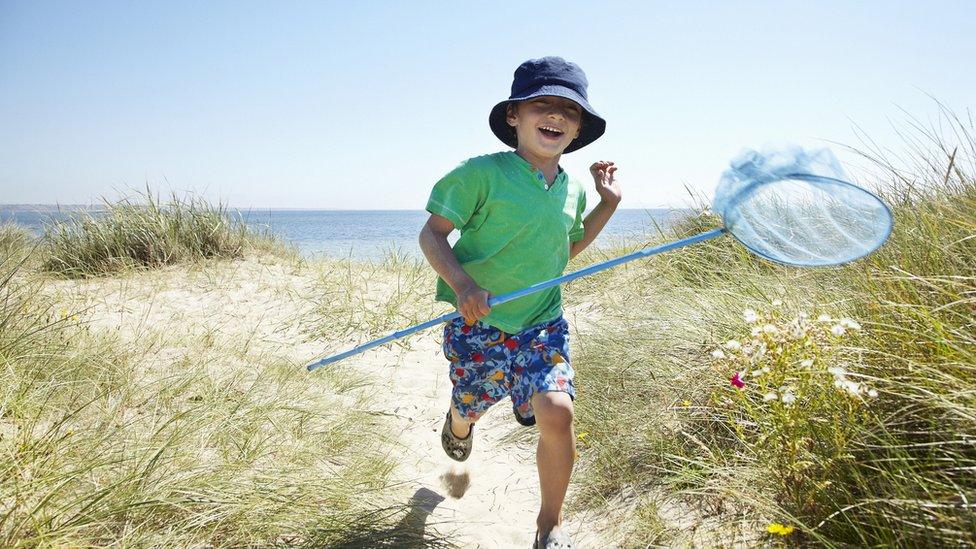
{"x":545,"y":125}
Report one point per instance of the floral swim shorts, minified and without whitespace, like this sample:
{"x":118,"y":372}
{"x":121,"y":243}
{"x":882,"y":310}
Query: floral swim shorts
{"x":488,"y":364}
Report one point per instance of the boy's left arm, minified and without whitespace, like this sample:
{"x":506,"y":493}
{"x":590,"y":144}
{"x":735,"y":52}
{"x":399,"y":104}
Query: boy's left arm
{"x":609,"y":191}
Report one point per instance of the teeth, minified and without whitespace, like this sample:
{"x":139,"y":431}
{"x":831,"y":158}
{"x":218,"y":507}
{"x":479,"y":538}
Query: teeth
{"x":550,"y":128}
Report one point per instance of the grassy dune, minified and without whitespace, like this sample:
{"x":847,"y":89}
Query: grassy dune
{"x":854,"y":423}
{"x":143,"y":232}
{"x":165,"y":433}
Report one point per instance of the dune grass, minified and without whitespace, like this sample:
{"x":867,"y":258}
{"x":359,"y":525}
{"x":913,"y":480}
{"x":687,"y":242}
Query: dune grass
{"x":367,"y":300}
{"x":144,"y":232}
{"x":17,"y":244}
{"x":829,"y":406}
{"x":105,"y":443}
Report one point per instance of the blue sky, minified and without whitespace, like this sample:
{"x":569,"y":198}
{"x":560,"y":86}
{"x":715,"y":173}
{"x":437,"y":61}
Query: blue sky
{"x":364,"y":105}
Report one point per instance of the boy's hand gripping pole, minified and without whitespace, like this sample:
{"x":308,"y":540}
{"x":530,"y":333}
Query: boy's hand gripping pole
{"x":701,"y":237}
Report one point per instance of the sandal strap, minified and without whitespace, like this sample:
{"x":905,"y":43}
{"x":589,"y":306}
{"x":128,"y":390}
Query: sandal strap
{"x":456,"y":448}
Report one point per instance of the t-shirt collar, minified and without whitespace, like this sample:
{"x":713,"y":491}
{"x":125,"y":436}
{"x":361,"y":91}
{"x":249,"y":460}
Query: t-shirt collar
{"x":535,"y":174}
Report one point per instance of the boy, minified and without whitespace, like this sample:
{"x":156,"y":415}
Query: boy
{"x":521,"y":220}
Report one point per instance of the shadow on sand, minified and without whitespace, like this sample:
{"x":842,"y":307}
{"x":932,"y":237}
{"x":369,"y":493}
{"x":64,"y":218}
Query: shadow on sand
{"x":374,"y":530}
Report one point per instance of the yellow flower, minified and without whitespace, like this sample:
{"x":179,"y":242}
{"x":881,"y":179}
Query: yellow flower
{"x":780,"y":529}
{"x":686,"y":402}
{"x":582,"y":436}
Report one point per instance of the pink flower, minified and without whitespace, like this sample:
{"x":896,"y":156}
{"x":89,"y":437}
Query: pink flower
{"x":737,"y":381}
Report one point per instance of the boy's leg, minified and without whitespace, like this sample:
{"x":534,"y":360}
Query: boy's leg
{"x":476,"y":388}
{"x":478,"y":366}
{"x":555,"y":454}
{"x":460,"y":426}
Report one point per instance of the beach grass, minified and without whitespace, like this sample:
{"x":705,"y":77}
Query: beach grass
{"x":172,"y":438}
{"x":368,"y":300}
{"x":142,"y":231}
{"x":757,"y":404}
{"x":16,"y":243}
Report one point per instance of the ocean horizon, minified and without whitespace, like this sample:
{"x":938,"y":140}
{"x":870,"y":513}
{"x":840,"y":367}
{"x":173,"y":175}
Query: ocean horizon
{"x":354,"y":234}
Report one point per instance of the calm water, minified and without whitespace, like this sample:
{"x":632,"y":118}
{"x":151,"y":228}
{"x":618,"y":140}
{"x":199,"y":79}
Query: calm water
{"x":362,"y":234}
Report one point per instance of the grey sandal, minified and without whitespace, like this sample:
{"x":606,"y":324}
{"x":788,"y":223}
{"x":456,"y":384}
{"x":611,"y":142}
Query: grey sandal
{"x":557,"y":538}
{"x":456,"y":448}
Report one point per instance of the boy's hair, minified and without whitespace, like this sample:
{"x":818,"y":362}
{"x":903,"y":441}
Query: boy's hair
{"x":509,"y":111}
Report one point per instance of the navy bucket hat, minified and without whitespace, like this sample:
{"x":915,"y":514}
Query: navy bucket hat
{"x":549,"y":76}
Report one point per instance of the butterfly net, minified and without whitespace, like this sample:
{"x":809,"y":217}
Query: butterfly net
{"x":795,"y":206}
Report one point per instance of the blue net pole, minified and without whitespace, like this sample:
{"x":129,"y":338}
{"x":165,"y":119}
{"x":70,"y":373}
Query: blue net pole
{"x":701,"y":237}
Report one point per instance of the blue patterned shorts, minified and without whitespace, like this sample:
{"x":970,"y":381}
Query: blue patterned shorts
{"x":488,"y":364}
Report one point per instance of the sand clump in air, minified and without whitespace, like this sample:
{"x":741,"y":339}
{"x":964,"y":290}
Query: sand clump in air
{"x":298,"y":311}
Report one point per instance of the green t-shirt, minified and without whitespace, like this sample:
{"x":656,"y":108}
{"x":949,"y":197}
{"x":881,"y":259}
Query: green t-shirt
{"x":514,"y":232}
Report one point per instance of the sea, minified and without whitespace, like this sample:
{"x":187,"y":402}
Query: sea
{"x":369,"y":235}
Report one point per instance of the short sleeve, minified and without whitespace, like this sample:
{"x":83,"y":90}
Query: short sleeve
{"x":458,"y":195}
{"x":576,"y":233}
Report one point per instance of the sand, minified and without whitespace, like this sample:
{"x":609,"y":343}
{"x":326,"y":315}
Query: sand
{"x":270,"y":306}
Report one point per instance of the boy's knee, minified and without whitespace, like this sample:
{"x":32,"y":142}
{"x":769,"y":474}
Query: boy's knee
{"x":553,"y":411}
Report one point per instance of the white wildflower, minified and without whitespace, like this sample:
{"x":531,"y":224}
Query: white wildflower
{"x":824,"y":318}
{"x":769,"y":396}
{"x":788,"y":398}
{"x":761,"y":351}
{"x":850,"y":323}
{"x":777,"y":302}
{"x":872,"y":393}
{"x":733,"y":345}
{"x":770,"y":329}
{"x":802,"y":316}
{"x":757,"y":373}
{"x":806,"y":363}
{"x":765,"y":369}
{"x":837,"y":371}
{"x":747,"y":350}
{"x":756,"y":330}
{"x":717,"y":353}
{"x":750,"y":316}
{"x":852,"y":387}
{"x":838,"y":330}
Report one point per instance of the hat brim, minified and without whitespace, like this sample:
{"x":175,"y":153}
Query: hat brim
{"x":591,"y":129}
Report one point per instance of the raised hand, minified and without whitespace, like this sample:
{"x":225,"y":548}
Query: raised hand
{"x":606,"y":185}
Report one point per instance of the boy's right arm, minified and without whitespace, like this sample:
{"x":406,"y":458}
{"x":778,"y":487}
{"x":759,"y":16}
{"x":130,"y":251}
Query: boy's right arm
{"x":472,"y":299}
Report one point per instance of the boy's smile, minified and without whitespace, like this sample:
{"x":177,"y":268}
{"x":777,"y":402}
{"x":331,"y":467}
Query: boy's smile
{"x":545,"y":125}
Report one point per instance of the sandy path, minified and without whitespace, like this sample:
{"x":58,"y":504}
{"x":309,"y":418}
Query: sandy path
{"x":489,"y":501}
{"x":492,"y":499}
